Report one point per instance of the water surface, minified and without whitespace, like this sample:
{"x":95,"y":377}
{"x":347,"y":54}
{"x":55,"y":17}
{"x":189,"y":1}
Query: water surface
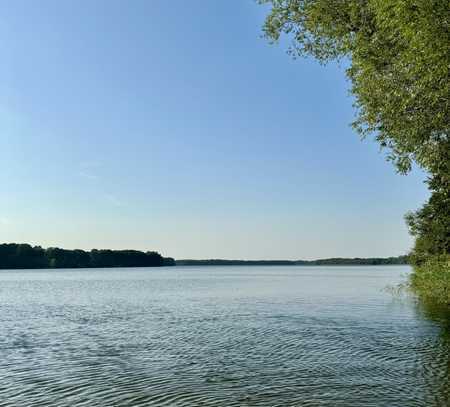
{"x":217,"y":336}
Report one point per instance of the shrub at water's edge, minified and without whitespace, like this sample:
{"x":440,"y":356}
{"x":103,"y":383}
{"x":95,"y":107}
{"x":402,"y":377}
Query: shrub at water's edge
{"x":430,"y":280}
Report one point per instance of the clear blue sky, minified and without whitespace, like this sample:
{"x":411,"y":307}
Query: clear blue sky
{"x":173,"y":126}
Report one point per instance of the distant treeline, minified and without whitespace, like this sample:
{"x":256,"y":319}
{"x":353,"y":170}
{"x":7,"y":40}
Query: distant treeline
{"x":338,"y":261}
{"x":24,"y":256}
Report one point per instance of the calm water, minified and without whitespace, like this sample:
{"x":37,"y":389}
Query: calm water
{"x":217,"y":336}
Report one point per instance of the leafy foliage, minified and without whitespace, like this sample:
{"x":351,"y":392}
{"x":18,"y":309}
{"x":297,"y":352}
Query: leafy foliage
{"x":431,"y":280}
{"x":399,"y":54}
{"x":431,"y":227}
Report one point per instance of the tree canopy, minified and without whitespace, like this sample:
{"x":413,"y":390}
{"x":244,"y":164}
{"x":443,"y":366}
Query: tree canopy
{"x":399,"y":66}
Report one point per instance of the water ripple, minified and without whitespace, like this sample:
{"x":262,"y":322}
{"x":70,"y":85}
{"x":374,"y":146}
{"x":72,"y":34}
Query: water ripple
{"x":155,"y":341}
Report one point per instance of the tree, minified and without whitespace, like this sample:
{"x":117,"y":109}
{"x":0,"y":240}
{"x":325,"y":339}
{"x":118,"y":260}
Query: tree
{"x":431,"y":226}
{"x":399,"y":66}
{"x":399,"y":57}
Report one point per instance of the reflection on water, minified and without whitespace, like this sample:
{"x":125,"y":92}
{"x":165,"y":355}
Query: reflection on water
{"x":441,"y":315}
{"x":230,"y":336}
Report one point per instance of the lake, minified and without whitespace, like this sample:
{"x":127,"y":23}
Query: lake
{"x":218,"y":336}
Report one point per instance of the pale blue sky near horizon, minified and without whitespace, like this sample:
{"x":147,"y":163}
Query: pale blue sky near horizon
{"x":173,"y":126}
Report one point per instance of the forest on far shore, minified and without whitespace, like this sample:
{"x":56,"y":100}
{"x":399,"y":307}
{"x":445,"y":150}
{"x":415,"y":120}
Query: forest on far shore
{"x":337,"y":261}
{"x":25,"y":256}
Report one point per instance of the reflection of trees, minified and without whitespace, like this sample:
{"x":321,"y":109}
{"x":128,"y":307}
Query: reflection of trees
{"x":435,"y":355}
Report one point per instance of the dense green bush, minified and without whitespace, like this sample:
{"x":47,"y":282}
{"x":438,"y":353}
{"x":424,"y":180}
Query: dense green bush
{"x":430,"y":280}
